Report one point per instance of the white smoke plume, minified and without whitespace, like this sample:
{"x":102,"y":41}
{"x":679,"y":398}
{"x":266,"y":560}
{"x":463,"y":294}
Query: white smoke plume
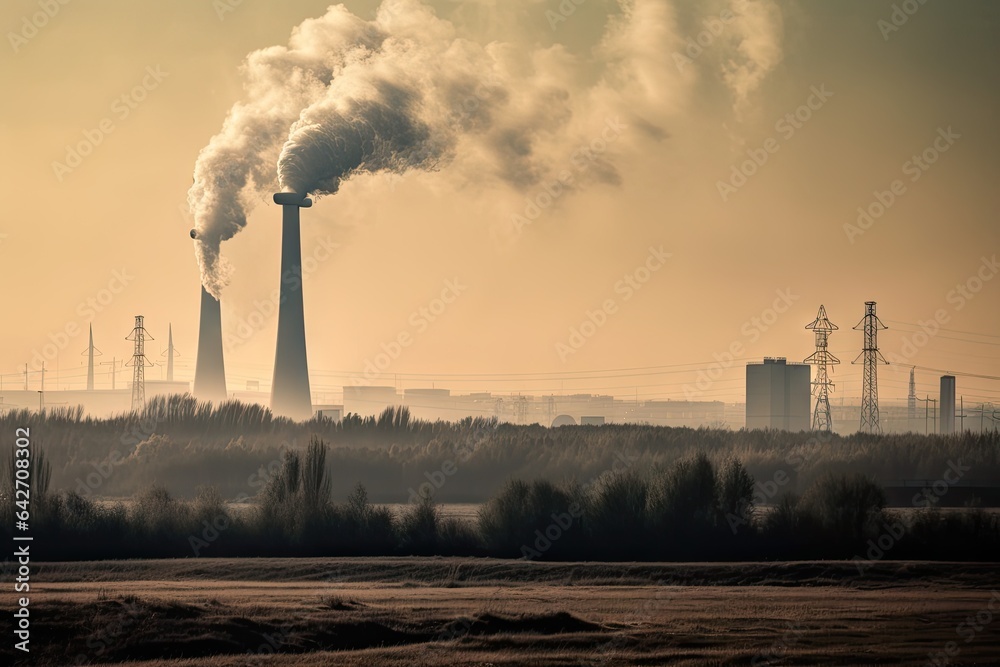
{"x":759,"y":29}
{"x":407,"y":91}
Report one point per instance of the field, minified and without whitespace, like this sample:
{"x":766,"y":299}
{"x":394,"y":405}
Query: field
{"x":485,"y":612}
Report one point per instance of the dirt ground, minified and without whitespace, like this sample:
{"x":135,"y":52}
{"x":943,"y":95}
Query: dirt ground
{"x":484,"y":612}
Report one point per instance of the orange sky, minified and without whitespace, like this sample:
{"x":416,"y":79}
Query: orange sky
{"x":386,"y":246}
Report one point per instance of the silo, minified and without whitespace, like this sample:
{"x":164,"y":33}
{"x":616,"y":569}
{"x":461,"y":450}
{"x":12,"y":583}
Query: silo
{"x":947,"y":404}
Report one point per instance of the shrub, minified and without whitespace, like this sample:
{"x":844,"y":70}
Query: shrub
{"x":783,"y":519}
{"x":296,"y":499}
{"x":845,"y":507}
{"x":735,"y":488}
{"x":209,"y":504}
{"x":460,"y":536}
{"x":513,"y":517}
{"x":685,"y":498}
{"x":615,"y":511}
{"x":418,"y":527}
{"x":366,"y":528}
{"x":154,"y":513}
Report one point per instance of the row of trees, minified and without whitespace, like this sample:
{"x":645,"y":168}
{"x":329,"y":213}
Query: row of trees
{"x":183,"y":444}
{"x":689,"y":510}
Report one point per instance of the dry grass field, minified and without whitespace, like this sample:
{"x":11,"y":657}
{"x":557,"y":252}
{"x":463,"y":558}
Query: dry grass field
{"x":484,"y":612}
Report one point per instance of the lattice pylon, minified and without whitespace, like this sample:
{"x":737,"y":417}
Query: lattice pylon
{"x":822,"y":359}
{"x":871,"y":324}
{"x":139,"y":363}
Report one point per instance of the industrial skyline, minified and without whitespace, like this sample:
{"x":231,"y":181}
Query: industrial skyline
{"x":680,"y":382}
{"x":774,"y":397}
{"x":695,"y":203}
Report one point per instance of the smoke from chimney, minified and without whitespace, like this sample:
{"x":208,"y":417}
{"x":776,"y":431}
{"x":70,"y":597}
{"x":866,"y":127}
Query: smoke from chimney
{"x":409,"y":90}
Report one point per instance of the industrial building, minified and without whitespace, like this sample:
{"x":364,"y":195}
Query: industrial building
{"x":778,"y":395}
{"x":947,"y":404}
{"x":366,"y":401}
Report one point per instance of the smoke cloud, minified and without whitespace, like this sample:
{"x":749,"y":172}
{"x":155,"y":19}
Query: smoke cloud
{"x":407,"y":91}
{"x":759,"y":30}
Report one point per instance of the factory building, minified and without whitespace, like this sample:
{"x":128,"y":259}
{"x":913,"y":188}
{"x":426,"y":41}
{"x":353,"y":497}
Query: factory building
{"x":369,"y":401}
{"x":778,"y":395}
{"x":430,"y":404}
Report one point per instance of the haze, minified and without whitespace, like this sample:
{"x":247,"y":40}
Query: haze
{"x":877,"y":104}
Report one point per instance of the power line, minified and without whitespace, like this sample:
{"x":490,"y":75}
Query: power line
{"x":969,"y":333}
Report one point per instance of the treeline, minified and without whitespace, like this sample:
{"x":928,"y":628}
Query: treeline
{"x":690,"y":510}
{"x":181,"y":445}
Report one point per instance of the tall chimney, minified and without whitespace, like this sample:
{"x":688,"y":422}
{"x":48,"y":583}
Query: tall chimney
{"x":210,"y":372}
{"x":290,"y":395}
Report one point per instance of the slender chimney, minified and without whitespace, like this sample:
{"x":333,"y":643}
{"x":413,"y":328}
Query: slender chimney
{"x":290,"y":395}
{"x":210,"y":372}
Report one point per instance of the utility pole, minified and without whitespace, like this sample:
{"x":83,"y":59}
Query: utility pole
{"x":927,"y":405}
{"x":112,"y":363}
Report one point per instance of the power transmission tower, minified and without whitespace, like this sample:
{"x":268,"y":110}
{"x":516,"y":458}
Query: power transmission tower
{"x":91,"y":352}
{"x":821,"y":358}
{"x":521,"y":410}
{"x":872,"y":357}
{"x":139,"y":363}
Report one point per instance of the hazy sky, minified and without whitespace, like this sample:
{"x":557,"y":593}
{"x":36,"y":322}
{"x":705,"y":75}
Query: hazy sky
{"x":162,"y":77}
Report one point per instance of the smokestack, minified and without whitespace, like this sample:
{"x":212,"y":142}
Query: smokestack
{"x":290,"y":395}
{"x":210,"y":372}
{"x":947,"y":404}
